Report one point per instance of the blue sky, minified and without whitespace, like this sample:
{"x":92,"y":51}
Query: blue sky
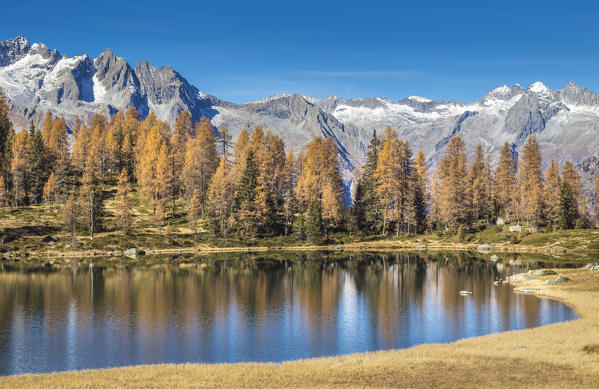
{"x":242,"y":51}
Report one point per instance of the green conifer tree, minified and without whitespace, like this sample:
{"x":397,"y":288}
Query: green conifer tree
{"x":314,"y":227}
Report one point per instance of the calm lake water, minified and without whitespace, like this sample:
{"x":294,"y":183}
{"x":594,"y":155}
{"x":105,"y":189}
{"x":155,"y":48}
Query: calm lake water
{"x":254,"y":309}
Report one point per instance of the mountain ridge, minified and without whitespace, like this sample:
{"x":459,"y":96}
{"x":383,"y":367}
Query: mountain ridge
{"x":36,"y":79}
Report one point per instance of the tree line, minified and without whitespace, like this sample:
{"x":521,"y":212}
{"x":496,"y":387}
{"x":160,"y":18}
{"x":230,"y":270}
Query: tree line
{"x":253,"y":187}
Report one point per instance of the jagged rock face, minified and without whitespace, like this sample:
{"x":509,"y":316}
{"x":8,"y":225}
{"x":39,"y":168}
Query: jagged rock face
{"x":36,"y":79}
{"x":575,"y":95}
{"x":116,"y":84}
{"x":13,"y":49}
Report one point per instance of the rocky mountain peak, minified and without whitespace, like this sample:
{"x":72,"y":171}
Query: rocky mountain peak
{"x":505,"y":92}
{"x":576,"y":95}
{"x":12,"y":50}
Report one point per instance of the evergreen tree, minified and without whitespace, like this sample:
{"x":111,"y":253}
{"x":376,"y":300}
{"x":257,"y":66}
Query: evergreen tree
{"x":314,"y":228}
{"x":417,"y":197}
{"x":405,"y":188}
{"x":569,"y":209}
{"x":552,"y":193}
{"x":37,"y":165}
{"x":289,"y":181}
{"x":123,"y":214}
{"x":3,"y":193}
{"x":247,"y":196}
{"x":366,"y":207}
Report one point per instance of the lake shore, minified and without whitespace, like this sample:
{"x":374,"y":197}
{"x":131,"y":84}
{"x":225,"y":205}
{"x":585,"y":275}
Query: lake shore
{"x":547,"y":244}
{"x":558,"y":355}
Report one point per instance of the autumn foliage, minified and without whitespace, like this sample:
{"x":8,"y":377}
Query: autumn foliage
{"x":256,"y":187}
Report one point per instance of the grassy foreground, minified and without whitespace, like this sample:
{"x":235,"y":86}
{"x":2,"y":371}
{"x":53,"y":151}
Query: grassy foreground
{"x":558,"y":355}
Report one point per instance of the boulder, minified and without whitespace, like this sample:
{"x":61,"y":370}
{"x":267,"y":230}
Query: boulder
{"x":519,"y":277}
{"x":543,"y":272}
{"x":500,"y":221}
{"x":133,"y":253}
{"x":560,"y":279}
{"x":516,"y":228}
{"x":494,"y":258}
{"x":484,"y":248}
{"x":594,"y":266}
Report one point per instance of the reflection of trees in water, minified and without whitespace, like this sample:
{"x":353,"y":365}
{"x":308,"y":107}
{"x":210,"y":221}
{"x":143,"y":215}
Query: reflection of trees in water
{"x":200,"y":299}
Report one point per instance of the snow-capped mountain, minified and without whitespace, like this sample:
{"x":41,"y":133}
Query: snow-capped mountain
{"x":36,"y":79}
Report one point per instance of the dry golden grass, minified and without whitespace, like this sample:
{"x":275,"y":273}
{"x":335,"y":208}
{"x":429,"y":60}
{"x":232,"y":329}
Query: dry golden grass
{"x":553,"y":356}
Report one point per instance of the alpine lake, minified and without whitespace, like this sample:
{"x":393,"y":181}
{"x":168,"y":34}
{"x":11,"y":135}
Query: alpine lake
{"x":226,"y":308}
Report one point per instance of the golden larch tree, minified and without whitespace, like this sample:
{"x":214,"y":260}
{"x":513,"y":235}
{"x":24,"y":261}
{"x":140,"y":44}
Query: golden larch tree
{"x":530,"y":179}
{"x":454,"y":205}
{"x":221,"y":198}
{"x":552,"y":193}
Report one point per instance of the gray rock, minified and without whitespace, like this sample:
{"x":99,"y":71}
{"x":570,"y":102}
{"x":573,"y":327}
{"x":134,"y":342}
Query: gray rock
{"x":515,"y":228}
{"x":133,"y":253}
{"x":559,"y":280}
{"x":594,"y":266}
{"x":484,"y":248}
{"x":519,"y":277}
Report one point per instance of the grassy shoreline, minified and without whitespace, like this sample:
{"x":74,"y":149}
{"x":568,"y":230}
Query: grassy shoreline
{"x":558,"y":243}
{"x":557,"y":355}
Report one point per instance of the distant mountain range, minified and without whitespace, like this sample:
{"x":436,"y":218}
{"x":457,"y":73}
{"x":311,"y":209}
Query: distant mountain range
{"x":36,"y":79}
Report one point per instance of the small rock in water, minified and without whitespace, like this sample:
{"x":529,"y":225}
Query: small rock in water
{"x":543,"y":272}
{"x":494,"y":258}
{"x":465,"y":293}
{"x":497,"y":283}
